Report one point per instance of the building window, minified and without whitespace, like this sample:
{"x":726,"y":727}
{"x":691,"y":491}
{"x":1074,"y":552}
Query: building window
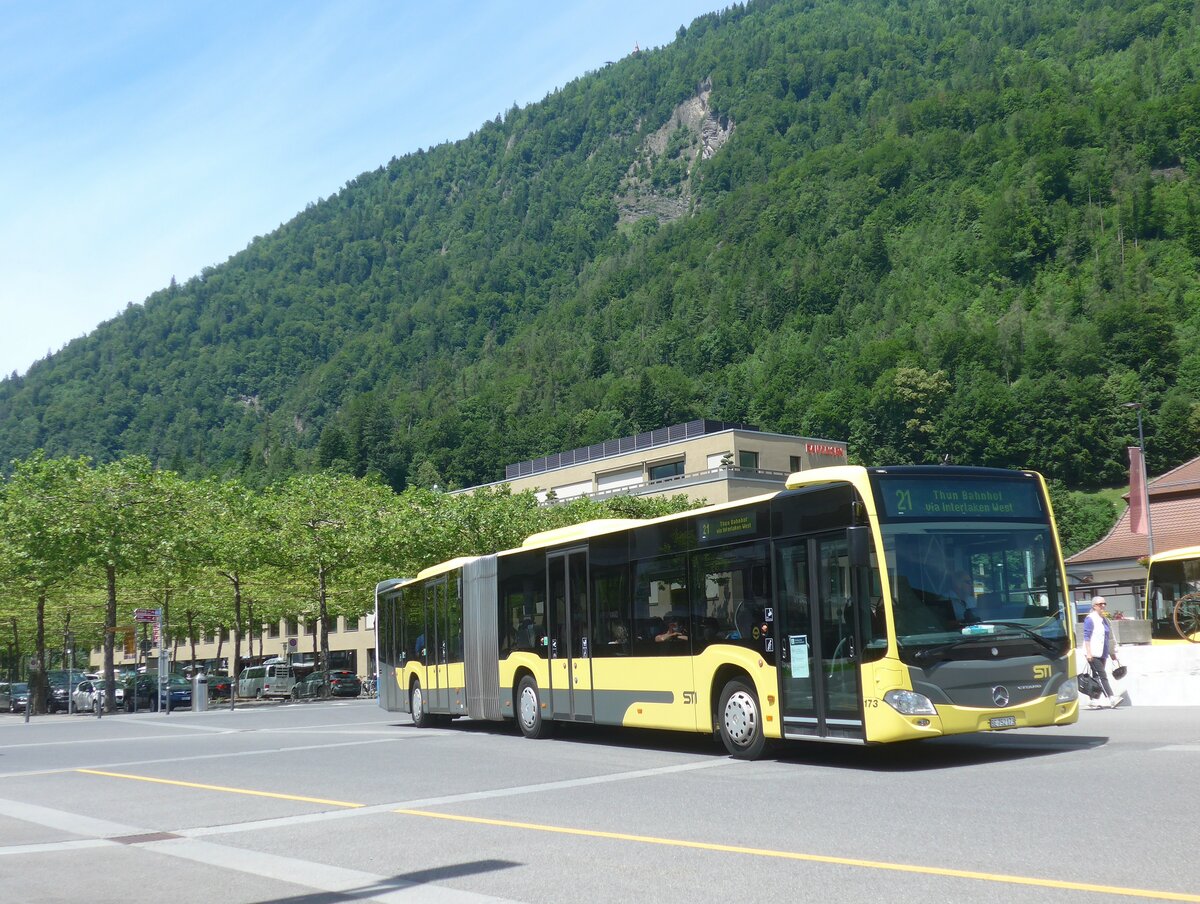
{"x":292,"y":627}
{"x":351,"y":623}
{"x":748,"y":461}
{"x":666,"y":470}
{"x":273,"y":629}
{"x":794,"y":463}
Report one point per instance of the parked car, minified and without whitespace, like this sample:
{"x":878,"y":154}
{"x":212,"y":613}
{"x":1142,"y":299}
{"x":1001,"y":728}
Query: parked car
{"x":335,"y":683}
{"x":14,"y":697}
{"x":90,"y":694}
{"x":142,"y":692}
{"x":219,"y":686}
{"x":274,"y":678}
{"x":62,"y":684}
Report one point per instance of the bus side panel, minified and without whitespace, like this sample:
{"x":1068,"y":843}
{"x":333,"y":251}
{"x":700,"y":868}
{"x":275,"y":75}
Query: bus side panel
{"x":621,"y":695}
{"x":688,"y":688}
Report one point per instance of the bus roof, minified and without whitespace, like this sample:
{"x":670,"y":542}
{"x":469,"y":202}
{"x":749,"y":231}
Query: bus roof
{"x":580,"y":531}
{"x":1176,"y":555}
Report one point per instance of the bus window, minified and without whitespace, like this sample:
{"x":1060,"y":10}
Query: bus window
{"x":610,"y":617}
{"x":732,"y":585}
{"x":522,"y":606}
{"x":662,"y":620}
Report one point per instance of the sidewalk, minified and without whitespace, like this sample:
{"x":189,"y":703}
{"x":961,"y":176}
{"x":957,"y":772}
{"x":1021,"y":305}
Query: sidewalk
{"x":1162,"y":673}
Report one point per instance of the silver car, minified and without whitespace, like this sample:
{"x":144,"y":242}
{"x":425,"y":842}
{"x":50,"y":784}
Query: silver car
{"x":89,"y":694}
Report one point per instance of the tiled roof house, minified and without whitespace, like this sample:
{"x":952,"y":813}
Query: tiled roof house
{"x":1175,"y":520}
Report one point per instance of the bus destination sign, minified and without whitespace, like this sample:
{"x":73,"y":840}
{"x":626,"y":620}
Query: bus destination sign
{"x":722,"y":527}
{"x":918,"y":498}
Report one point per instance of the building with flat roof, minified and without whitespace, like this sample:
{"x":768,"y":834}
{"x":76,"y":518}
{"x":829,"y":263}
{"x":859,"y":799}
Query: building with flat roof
{"x":715,"y":461}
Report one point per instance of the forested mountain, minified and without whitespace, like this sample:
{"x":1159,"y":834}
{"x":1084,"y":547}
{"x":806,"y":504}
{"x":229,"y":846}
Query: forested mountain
{"x":967,"y":229}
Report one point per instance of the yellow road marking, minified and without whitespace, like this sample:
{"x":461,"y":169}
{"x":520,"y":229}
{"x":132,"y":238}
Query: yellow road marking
{"x":820,"y":858}
{"x":167,"y":781}
{"x":697,"y":845}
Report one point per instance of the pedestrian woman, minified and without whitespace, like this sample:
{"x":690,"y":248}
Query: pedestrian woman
{"x":1097,"y":635}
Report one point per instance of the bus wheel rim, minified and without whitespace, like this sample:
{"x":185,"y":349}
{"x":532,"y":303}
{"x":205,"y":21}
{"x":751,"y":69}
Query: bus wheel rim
{"x":741,"y":718}
{"x":529,"y":707}
{"x":417,"y":703}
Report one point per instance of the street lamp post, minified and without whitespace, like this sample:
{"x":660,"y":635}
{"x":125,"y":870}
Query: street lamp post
{"x":1137,"y":406}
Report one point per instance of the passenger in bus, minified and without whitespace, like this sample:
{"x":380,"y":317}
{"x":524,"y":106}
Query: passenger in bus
{"x":674,"y":631}
{"x":618,"y":636}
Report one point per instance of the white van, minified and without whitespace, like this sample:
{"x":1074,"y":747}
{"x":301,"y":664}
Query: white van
{"x":273,"y":678}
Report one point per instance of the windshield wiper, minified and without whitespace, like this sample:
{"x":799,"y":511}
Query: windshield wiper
{"x":1053,"y":648}
{"x":941,"y":648}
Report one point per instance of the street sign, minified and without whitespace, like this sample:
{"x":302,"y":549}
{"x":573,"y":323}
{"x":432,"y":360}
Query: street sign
{"x":145,"y":615}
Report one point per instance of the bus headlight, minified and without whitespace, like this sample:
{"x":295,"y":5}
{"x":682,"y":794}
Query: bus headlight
{"x":909,"y":703}
{"x":1068,"y":692}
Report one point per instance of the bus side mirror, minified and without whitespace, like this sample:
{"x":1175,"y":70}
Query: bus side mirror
{"x":858,"y":541}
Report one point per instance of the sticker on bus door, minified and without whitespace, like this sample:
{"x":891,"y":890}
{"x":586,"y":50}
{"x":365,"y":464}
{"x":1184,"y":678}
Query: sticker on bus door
{"x":798,"y":652}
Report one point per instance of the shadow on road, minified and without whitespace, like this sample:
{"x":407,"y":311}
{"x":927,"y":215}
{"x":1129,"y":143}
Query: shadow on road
{"x":910,"y":756}
{"x":395,"y":883}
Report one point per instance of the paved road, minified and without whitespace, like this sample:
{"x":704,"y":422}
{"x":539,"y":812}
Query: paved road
{"x":329,"y":802}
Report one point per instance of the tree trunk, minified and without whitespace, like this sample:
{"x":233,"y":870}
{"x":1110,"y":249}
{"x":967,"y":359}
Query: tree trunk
{"x":39,"y":684}
{"x":323,"y":618}
{"x":236,"y":665}
{"x":191,"y":629}
{"x":110,"y":637}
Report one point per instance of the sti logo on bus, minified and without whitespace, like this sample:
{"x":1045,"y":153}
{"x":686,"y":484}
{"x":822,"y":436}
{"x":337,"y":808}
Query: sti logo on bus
{"x":1041,"y":671}
{"x":689,"y":697}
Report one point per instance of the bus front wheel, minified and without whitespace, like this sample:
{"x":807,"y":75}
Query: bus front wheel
{"x":740,"y":720}
{"x":529,"y":710}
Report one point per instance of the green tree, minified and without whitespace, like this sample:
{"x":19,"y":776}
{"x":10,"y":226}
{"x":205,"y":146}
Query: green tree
{"x":327,"y":525}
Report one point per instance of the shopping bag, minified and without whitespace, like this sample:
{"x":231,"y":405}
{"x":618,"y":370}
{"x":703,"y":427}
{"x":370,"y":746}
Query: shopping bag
{"x":1089,"y":686}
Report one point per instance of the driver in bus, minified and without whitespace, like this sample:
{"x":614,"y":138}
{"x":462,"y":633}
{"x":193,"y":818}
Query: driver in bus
{"x":963,"y":598}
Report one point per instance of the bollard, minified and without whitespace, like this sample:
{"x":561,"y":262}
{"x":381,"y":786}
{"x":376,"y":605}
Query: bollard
{"x":28,"y":704}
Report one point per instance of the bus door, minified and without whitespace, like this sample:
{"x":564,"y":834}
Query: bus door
{"x":818,"y":638}
{"x":570,"y":636}
{"x":438,"y":643}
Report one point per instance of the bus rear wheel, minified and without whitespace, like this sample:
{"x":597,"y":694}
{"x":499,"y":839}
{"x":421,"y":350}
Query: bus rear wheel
{"x":421,"y":718}
{"x":740,"y":720}
{"x":529,"y":710}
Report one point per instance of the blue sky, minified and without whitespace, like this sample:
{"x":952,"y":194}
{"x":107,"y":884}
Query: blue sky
{"x":145,"y":141}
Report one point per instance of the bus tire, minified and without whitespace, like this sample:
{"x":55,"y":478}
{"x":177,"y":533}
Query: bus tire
{"x":739,"y":718}
{"x":529,"y":710}
{"x":421,"y":717}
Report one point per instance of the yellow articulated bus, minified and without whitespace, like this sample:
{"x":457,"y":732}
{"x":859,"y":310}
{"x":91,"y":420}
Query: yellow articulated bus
{"x":1173,"y":592}
{"x":858,"y":605}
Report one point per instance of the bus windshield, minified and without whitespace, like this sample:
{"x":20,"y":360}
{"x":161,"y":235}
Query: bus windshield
{"x":964,"y":588}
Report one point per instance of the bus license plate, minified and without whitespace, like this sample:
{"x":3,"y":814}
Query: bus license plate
{"x":1003,"y":722}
